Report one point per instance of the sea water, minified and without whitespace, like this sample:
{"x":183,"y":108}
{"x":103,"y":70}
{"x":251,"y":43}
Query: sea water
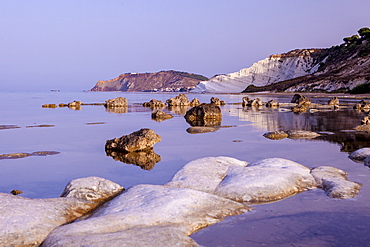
{"x":79,"y":137}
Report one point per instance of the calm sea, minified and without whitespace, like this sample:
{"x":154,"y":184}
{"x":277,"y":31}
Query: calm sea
{"x":79,"y":136}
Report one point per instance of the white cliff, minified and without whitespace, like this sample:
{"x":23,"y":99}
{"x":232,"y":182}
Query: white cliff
{"x":270,"y":70}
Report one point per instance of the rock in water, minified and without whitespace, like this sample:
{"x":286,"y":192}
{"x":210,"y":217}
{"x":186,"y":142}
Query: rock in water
{"x":142,"y":139}
{"x":116,"y":102}
{"x":301,"y":100}
{"x":149,"y":209}
{"x":180,"y":100}
{"x":264,"y":181}
{"x":160,"y":115}
{"x":301,"y":134}
{"x":204,"y":115}
{"x":334,"y":182}
{"x":276,"y":135}
{"x":360,"y":154}
{"x":92,"y":189}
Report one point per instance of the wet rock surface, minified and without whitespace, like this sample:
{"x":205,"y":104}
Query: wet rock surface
{"x":204,"y":115}
{"x":142,"y":139}
{"x":149,"y":207}
{"x":335,"y":183}
{"x":160,"y":115}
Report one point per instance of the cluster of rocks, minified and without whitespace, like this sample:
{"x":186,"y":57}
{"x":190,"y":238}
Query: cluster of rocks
{"x":202,"y":193}
{"x":292,"y":134}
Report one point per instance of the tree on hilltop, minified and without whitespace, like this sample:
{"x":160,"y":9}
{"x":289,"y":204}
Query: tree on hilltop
{"x":364,"y":32}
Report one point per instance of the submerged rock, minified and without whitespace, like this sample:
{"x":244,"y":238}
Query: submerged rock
{"x":276,"y":135}
{"x":147,"y":208}
{"x":142,"y":139}
{"x":334,"y":182}
{"x":264,"y":181}
{"x":204,"y":115}
{"x":49,"y":106}
{"x":302,"y":134}
{"x":201,"y":129}
{"x":24,"y":155}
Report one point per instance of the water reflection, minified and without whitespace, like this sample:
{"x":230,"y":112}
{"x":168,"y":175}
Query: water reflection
{"x":117,"y":109}
{"x":144,"y":159}
{"x":334,"y":121}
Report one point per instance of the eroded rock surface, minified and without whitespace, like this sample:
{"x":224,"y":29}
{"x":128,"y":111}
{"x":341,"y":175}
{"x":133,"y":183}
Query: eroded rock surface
{"x":142,"y":139}
{"x":334,"y":182}
{"x":154,"y":104}
{"x":267,"y":180}
{"x":180,"y":100}
{"x":147,"y":207}
{"x":204,"y":115}
{"x":116,"y":102}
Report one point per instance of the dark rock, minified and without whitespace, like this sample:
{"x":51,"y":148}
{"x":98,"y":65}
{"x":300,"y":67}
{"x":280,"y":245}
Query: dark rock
{"x":49,"y":106}
{"x":301,"y":100}
{"x":194,"y":102}
{"x":180,"y":100}
{"x":217,"y":101}
{"x":272,"y":103}
{"x":116,"y":102}
{"x":154,"y":104}
{"x":160,"y":116}
{"x":334,"y":101}
{"x":16,"y":192}
{"x":201,"y":129}
{"x":276,"y":135}
{"x":204,"y":115}
{"x":143,"y":139}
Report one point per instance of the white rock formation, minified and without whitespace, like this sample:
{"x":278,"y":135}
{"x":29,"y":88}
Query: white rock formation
{"x":147,"y":206}
{"x":265,"y":72}
{"x":267,"y":180}
{"x":334,"y":182}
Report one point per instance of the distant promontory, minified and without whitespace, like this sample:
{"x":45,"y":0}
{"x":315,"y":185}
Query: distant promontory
{"x":163,"y":81}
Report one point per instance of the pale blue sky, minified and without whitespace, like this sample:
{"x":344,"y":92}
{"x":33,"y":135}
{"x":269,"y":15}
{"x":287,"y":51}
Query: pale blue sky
{"x":71,"y":44}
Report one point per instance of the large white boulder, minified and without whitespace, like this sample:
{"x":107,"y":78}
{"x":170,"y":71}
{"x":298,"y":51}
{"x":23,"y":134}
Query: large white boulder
{"x":267,"y":180}
{"x":204,"y":174}
{"x":147,"y":206}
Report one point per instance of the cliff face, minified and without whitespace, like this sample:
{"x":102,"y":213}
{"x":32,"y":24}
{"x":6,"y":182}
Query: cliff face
{"x":268,"y":71}
{"x":158,"y":81}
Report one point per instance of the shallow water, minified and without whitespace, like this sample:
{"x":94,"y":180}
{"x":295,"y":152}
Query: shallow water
{"x":306,"y":219}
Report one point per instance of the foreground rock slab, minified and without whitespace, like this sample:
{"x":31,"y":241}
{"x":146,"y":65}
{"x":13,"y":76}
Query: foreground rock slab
{"x":27,"y":222}
{"x":140,"y":140}
{"x":334,"y":182}
{"x":147,"y":207}
{"x":267,"y":180}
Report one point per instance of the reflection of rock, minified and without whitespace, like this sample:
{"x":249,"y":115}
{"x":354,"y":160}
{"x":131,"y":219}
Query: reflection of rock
{"x":302,"y":134}
{"x":154,"y":104}
{"x":160,"y":116}
{"x":142,"y":139}
{"x":27,"y":222}
{"x":276,"y":135}
{"x":201,"y":129}
{"x":204,"y":115}
{"x":299,"y":109}
{"x":180,"y":100}
{"x":116,"y":102}
{"x":334,"y":182}
{"x":362,"y":106}
{"x":117,"y":110}
{"x":179,"y":110}
{"x":145,"y":159}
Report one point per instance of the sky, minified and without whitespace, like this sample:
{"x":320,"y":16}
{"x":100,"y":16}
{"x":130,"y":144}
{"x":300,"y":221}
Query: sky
{"x":69,"y":45}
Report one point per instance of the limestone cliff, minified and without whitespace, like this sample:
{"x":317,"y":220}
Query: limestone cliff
{"x":144,"y":82}
{"x":268,"y":71}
